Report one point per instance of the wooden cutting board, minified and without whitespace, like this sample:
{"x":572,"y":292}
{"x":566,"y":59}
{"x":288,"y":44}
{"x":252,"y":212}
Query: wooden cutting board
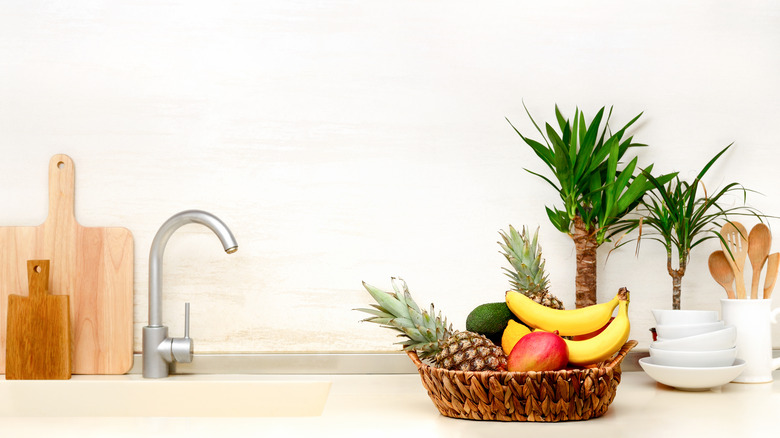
{"x":93,"y":265}
{"x":38,"y":328}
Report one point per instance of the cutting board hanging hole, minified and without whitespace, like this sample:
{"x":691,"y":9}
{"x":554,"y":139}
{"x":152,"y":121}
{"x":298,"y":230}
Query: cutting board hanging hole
{"x":38,"y":279}
{"x":61,"y":165}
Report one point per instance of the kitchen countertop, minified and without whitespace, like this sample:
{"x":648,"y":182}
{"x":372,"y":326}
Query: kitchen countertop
{"x":397,"y":405}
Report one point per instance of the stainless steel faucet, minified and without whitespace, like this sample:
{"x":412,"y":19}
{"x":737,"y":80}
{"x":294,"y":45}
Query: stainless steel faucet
{"x":159,"y":350}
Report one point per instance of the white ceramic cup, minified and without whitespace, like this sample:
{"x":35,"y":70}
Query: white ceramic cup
{"x":753,"y":319}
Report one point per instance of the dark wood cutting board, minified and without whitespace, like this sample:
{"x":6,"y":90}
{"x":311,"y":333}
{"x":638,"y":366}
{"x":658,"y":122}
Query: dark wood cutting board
{"x":38,"y":328}
{"x":93,"y":265}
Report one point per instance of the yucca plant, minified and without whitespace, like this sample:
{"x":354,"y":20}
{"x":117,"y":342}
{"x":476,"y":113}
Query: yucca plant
{"x":681,"y":218}
{"x":584,"y":160}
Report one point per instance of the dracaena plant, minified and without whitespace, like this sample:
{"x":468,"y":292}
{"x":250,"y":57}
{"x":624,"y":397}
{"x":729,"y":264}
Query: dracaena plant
{"x":681,"y":215}
{"x":595,"y":189}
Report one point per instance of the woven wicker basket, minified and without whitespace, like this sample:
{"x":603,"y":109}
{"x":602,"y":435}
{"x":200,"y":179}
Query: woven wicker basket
{"x":565,"y":395}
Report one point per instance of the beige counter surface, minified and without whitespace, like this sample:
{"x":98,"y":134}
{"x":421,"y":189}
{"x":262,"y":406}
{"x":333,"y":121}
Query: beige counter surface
{"x":398,"y":406}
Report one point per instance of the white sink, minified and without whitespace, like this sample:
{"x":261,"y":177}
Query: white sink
{"x":131,"y":395}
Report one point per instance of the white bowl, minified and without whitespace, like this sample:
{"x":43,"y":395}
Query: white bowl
{"x":717,"y":340}
{"x":710,"y":358}
{"x":675,"y":331}
{"x":676,"y":317}
{"x":692,"y":378}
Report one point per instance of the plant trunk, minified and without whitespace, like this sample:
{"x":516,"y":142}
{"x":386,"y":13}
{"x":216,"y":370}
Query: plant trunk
{"x":677,"y":276}
{"x":585,"y":281}
{"x":676,"y":291}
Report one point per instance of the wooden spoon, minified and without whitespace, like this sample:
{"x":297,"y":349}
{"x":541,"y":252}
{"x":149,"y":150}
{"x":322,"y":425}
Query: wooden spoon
{"x":720,"y":269}
{"x":759,"y":245}
{"x":736,"y":235}
{"x":773,"y":263}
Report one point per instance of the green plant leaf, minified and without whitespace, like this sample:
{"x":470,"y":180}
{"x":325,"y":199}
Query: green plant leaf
{"x":562,"y":122}
{"x":539,"y":149}
{"x":620,"y":184}
{"x":559,"y":219}
{"x":583,"y":159}
{"x":593,"y":130}
{"x":558,"y":189}
{"x":605,"y":130}
{"x":560,"y":155}
{"x":711,"y":162}
{"x":534,"y":122}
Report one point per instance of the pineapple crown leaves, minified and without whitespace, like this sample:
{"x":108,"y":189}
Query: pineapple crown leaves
{"x":526,"y":259}
{"x":398,"y":311}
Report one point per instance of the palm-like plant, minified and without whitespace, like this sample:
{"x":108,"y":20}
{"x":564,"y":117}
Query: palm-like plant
{"x":681,"y":218}
{"x":583,"y":159}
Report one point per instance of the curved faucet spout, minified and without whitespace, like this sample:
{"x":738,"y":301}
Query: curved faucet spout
{"x":158,"y":248}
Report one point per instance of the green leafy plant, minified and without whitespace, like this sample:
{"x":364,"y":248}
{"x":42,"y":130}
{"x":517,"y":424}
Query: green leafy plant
{"x":596,"y":191}
{"x":681,"y":218}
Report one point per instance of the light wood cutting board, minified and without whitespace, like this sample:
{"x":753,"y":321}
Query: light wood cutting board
{"x":93,"y":265}
{"x":38,"y":345}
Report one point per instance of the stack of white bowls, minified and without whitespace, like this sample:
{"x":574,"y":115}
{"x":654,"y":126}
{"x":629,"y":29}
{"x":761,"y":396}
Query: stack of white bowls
{"x":692,"y":338}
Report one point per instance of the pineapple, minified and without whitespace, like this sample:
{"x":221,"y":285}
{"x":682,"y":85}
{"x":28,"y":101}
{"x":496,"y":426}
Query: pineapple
{"x":431,"y":337}
{"x":528,"y":276}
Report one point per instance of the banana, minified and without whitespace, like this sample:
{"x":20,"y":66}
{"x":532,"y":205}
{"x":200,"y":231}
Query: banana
{"x":603,"y":345}
{"x":567,"y":322}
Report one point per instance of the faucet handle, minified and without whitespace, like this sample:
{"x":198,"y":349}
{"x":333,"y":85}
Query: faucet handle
{"x":187,"y":320}
{"x":182,"y":348}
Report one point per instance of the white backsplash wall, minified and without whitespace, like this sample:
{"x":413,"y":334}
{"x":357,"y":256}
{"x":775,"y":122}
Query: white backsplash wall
{"x":349,"y":140}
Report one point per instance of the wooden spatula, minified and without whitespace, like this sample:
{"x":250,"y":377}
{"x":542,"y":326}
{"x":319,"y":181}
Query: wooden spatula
{"x":736,"y":235}
{"x":721,"y":272}
{"x":38,"y":332}
{"x":759,"y":245}
{"x":772,"y":265}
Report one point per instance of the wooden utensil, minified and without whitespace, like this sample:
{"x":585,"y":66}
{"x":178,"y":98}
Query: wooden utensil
{"x":759,"y":245}
{"x":736,"y":235}
{"x":93,"y":265}
{"x":721,"y":272}
{"x":772,"y":265}
{"x":38,"y":345}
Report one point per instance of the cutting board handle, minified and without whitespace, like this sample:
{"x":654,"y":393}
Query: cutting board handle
{"x":62,"y":188}
{"x":38,"y":278}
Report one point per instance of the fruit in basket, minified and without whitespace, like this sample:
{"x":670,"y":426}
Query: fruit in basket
{"x":566,"y":322}
{"x":430,"y":337}
{"x":539,"y":351}
{"x":489,"y":319}
{"x":605,"y":344}
{"x":591,"y":334}
{"x":513,"y":332}
{"x":528,"y":277}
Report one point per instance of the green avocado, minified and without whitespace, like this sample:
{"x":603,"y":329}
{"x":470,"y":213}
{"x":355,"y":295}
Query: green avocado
{"x":489,"y":319}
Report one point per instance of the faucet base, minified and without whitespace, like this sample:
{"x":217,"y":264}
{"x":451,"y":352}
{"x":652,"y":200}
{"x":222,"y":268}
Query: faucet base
{"x":154,"y":365}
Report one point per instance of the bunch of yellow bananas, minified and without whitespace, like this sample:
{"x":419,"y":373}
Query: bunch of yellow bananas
{"x":578,"y":322}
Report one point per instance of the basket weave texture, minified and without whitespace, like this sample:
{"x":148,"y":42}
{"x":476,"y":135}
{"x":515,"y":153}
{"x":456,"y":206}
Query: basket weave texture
{"x":576,"y":394}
